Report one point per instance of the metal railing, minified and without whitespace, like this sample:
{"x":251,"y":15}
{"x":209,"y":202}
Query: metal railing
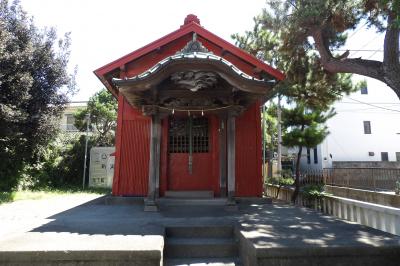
{"x":383,"y":179}
{"x":312,"y":177}
{"x":377,"y":179}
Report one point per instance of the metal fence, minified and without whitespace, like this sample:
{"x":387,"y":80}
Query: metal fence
{"x":377,"y":179}
{"x":363,"y":178}
{"x":312,"y":177}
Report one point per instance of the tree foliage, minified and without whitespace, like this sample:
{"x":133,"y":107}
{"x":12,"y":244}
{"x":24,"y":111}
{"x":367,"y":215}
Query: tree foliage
{"x":102,"y":110}
{"x":60,"y":166}
{"x":305,"y":127}
{"x":306,"y":79}
{"x":34,"y":85}
{"x":308,"y":88}
{"x":271,"y":131}
{"x":327,"y":22}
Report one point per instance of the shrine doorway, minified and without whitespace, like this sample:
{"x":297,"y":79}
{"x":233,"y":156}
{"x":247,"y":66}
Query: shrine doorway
{"x":191,"y":151}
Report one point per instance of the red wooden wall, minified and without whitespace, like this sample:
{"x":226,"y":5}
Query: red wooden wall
{"x":131,"y":171}
{"x":133,"y":135}
{"x":132,"y":152}
{"x":248,"y":153}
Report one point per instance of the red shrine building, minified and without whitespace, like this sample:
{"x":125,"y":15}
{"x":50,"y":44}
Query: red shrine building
{"x":189,"y":116}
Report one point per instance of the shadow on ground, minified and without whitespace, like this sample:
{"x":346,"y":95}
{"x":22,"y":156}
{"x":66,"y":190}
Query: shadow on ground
{"x":270,"y":225}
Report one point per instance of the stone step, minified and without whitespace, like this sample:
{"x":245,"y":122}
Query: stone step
{"x":199,"y":231}
{"x":189,"y":194}
{"x":192,"y":201}
{"x":200,"y":248}
{"x":203,"y":262}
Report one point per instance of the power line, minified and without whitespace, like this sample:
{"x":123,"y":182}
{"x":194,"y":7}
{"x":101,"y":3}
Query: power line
{"x":358,"y":50}
{"x":368,"y":112}
{"x":376,"y":106}
{"x":370,"y":104}
{"x":362,"y":110}
{"x":355,"y":50}
{"x":357,"y":30}
{"x":365,"y":45}
{"x":372,"y":55}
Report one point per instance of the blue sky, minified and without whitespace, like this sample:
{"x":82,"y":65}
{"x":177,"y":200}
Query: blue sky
{"x":104,"y":30}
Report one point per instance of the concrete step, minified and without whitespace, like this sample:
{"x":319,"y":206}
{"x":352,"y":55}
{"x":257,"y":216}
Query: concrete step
{"x":189,"y":194}
{"x":192,"y":201}
{"x":199,"y":231}
{"x":200,"y":248}
{"x":203,"y":262}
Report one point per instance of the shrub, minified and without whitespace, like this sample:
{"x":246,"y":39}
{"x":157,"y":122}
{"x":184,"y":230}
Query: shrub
{"x":397,"y":188}
{"x":60,"y":166}
{"x":312,"y":192}
{"x":283,"y":179}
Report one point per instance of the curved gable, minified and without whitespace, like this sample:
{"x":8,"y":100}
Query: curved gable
{"x":144,"y":58}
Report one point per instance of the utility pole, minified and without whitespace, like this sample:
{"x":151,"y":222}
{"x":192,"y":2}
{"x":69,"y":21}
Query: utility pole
{"x":86,"y":144}
{"x":270,"y":151}
{"x":263,"y":140}
{"x":279,"y":116}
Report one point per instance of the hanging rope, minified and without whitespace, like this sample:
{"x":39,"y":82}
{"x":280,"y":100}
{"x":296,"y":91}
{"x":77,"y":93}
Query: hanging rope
{"x":173,"y":110}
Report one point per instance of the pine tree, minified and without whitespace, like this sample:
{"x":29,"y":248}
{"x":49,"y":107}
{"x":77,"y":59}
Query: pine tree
{"x":323,"y":25}
{"x":305,"y":127}
{"x":307,"y":86}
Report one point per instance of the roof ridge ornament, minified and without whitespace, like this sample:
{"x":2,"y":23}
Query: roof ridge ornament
{"x":194,"y":46}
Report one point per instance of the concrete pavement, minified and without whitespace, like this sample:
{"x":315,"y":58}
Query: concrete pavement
{"x":68,"y":224}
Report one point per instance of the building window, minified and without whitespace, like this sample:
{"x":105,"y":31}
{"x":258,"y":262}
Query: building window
{"x":315,"y":156}
{"x":308,"y":156}
{"x":364,"y":90}
{"x":367,"y":127}
{"x":188,"y":135}
{"x":70,"y":126}
{"x":384,"y":156}
{"x":398,"y":156}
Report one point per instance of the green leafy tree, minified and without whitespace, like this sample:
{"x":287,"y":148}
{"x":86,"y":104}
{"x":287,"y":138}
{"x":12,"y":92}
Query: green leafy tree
{"x":102,"y":109}
{"x":306,"y":78}
{"x":271,"y":131}
{"x":326,"y":22}
{"x":308,"y":86}
{"x":34,"y":85}
{"x":60,"y":166}
{"x":305,"y":128}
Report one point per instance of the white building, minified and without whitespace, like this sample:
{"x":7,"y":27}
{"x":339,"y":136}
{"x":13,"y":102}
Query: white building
{"x":366,"y":128}
{"x":67,"y":118}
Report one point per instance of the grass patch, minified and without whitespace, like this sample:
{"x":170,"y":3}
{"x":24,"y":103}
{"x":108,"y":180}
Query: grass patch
{"x":6,"y":197}
{"x":48,"y":193}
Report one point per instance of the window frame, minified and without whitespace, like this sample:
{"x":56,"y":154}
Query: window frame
{"x":397,"y":156}
{"x":364,"y":90}
{"x":70,"y":126}
{"x":179,"y":142}
{"x":315,"y":156}
{"x":367,"y":127}
{"x":386,"y":154}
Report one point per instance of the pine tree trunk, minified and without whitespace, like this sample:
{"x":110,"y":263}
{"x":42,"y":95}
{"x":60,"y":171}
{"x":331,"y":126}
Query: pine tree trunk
{"x":297,"y":180}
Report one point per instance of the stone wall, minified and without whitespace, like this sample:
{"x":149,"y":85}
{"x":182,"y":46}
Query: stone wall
{"x":382,"y":198}
{"x":384,"y":218}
